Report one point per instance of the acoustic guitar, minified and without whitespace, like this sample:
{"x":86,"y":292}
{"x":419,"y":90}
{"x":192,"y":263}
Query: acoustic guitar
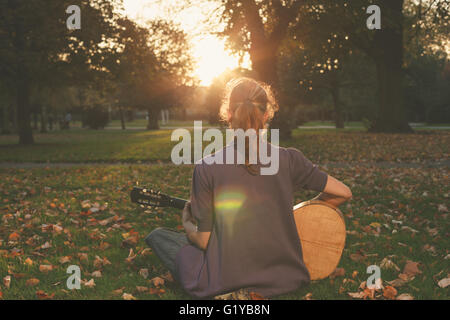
{"x":320,"y":226}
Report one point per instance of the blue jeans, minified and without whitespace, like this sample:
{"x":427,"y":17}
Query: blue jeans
{"x":166,"y":243}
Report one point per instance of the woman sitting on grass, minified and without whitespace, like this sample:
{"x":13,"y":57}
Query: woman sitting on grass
{"x":240,"y":229}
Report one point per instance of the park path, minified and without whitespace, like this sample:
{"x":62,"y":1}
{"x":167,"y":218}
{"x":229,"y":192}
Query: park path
{"x":337,"y":164}
{"x":299,"y":127}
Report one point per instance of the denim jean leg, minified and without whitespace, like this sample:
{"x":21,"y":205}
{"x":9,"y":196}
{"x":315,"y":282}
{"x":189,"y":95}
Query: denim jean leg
{"x":165,"y":244}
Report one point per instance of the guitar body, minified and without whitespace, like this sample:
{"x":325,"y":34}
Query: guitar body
{"x":321,"y":228}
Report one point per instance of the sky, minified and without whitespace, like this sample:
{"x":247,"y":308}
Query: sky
{"x":199,"y":24}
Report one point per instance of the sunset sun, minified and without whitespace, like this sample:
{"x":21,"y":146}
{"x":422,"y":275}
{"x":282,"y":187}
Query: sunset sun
{"x":210,"y":56}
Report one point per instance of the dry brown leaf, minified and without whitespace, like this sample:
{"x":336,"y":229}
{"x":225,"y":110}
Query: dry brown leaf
{"x":388,"y":264}
{"x":90,"y":283}
{"x":157,"y":281}
{"x":389,"y":292}
{"x":167,"y":276}
{"x":444,"y":283}
{"x":44,"y":296}
{"x":144,"y":273}
{"x":397,"y":282}
{"x":127,"y":296}
{"x":411,"y":268}
{"x":96,"y":274}
{"x":118,"y":291}
{"x":405,"y":296}
{"x":45,"y":268}
{"x":7,"y":281}
{"x":32,"y":282}
{"x":141,"y":289}
{"x":338,"y":272}
{"x":65,"y":259}
{"x":356,"y":295}
{"x":28,"y":262}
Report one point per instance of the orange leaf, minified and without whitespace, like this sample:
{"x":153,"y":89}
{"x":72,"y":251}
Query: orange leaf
{"x":32,"y":282}
{"x":157,"y":281}
{"x":45,"y":268}
{"x":43,"y":296}
{"x":14,"y":236}
{"x":389,"y":292}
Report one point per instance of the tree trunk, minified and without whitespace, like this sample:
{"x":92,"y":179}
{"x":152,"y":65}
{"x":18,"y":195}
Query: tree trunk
{"x":6,"y":127}
{"x":122,"y":118}
{"x":13,"y":112}
{"x":152,"y":123}
{"x":338,"y":119}
{"x":389,"y":59}
{"x":23,"y":113}
{"x":35,"y":118}
{"x":265,"y":66}
{"x":43,"y":119}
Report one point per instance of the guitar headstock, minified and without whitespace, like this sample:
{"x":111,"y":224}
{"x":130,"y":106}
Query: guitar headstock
{"x":149,"y":197}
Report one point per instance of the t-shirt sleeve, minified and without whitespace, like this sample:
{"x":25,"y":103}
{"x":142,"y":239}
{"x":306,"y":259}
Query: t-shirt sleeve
{"x":304,"y":174}
{"x":202,"y":199}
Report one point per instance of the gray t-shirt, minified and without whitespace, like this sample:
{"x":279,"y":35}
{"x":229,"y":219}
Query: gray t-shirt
{"x":254,"y":242}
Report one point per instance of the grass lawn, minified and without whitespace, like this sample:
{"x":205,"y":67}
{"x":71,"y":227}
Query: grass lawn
{"x":47,"y":215}
{"x":320,"y":145}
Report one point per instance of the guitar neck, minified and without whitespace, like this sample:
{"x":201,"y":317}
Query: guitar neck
{"x":177,"y":203}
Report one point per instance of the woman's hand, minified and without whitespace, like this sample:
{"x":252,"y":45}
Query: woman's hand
{"x":200,"y":239}
{"x":188,"y":220}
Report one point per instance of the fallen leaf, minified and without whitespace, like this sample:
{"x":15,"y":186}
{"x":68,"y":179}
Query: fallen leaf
{"x":444,"y":283}
{"x":338,"y":272}
{"x":28,"y":261}
{"x":157,"y":281}
{"x":141,"y":289}
{"x":96,"y":274}
{"x":32,"y":282}
{"x":388,"y":264}
{"x":65,"y":259}
{"x":118,"y":291}
{"x":411,"y":268}
{"x":90,"y":283}
{"x":405,"y":296}
{"x":7,"y":281}
{"x":257,"y":296}
{"x":14,"y":236}
{"x":356,"y":295}
{"x":144,"y":273}
{"x":389,"y":292}
{"x":127,"y":296}
{"x":45,"y":268}
{"x":44,"y":296}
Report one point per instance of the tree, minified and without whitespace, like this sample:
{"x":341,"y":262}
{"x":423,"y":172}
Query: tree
{"x":260,"y":27}
{"x":332,"y":21}
{"x":153,"y":63}
{"x":39,"y":49}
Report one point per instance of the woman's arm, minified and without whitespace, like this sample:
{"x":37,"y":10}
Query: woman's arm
{"x":198,"y":238}
{"x":335,"y":192}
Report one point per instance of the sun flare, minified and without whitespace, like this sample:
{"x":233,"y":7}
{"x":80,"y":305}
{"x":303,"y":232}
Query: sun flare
{"x":209,"y":53}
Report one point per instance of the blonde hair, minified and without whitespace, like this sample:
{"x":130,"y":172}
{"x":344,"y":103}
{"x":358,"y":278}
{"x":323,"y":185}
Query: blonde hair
{"x":248,"y":104}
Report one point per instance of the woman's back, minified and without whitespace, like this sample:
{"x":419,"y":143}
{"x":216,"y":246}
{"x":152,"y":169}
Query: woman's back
{"x":254,"y":243}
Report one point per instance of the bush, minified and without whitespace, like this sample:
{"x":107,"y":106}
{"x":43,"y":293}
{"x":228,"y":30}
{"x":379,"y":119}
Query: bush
{"x":96,"y":118}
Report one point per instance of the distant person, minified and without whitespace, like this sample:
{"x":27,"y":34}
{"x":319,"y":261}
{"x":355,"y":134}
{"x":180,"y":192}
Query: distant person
{"x":240,"y":230}
{"x":165,"y":116}
{"x":50,"y":122}
{"x":68,"y":119}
